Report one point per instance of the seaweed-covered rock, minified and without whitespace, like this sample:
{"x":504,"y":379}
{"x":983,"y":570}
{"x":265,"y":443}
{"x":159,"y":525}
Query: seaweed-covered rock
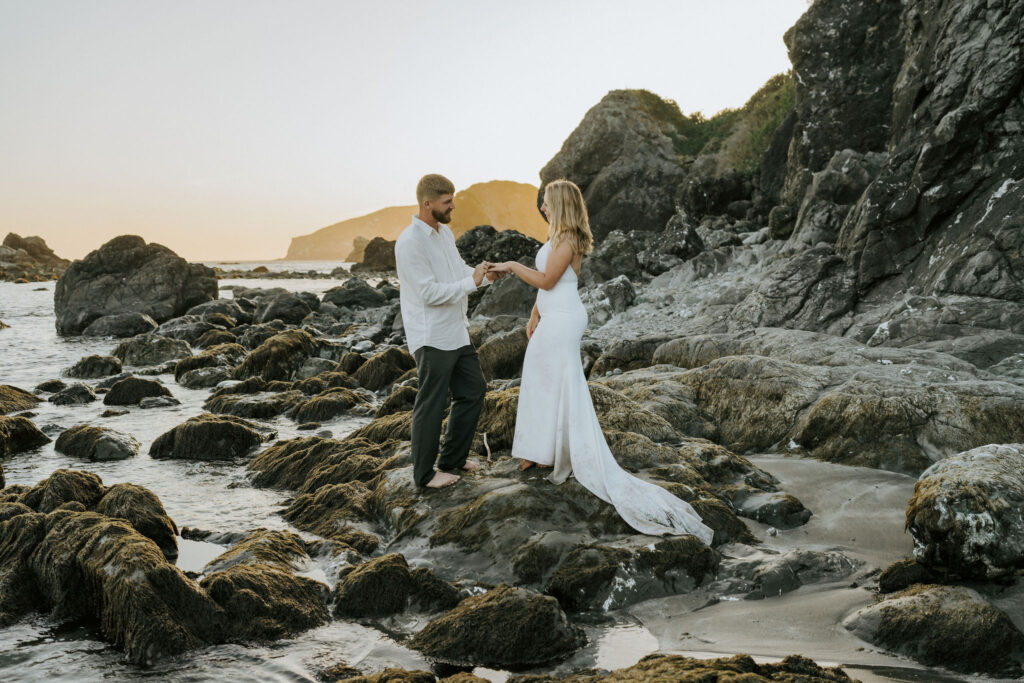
{"x":384,"y":368}
{"x":279,"y":357}
{"x":87,"y":442}
{"x":126,"y":275}
{"x":402,"y":399}
{"x":950,"y":626}
{"x":49,"y":386}
{"x":275,"y":548}
{"x":91,"y":367}
{"x":74,"y":394}
{"x":965,"y":513}
{"x":64,"y":486}
{"x":221,"y":355}
{"x":151,"y":349}
{"x":131,"y":390}
{"x":19,"y":434}
{"x":141,"y":508}
{"x":504,"y":627}
{"x":13,"y":399}
{"x":255,"y":406}
{"x":659,"y":668}
{"x":328,"y":404}
{"x":385,"y":585}
{"x":501,"y":356}
{"x":212,"y":338}
{"x":207,"y":437}
{"x":204,"y":378}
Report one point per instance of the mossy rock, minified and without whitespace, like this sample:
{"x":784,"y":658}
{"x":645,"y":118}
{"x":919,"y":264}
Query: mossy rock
{"x":384,"y":368}
{"x":19,"y":434}
{"x":385,"y":585}
{"x":263,"y":602}
{"x":311,"y":386}
{"x":350,"y":362}
{"x":402,"y":399}
{"x":141,"y":508}
{"x":506,"y":627}
{"x":950,"y":626}
{"x":13,"y":399}
{"x":278,"y":548}
{"x":63,"y":486}
{"x":391,"y":675}
{"x":207,"y":437}
{"x":279,"y":357}
{"x":212,"y":338}
{"x":387,"y":428}
{"x":131,"y":390}
{"x":254,"y":406}
{"x":502,"y":355}
{"x":905,"y":573}
{"x":220,"y":355}
{"x":308,"y":463}
{"x":327,"y":405}
{"x":88,"y":442}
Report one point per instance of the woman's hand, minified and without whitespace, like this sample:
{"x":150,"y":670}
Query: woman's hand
{"x":531,"y":326}
{"x":503,"y":267}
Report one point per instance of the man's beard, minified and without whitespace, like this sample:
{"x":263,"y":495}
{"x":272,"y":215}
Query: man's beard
{"x":441,"y":217}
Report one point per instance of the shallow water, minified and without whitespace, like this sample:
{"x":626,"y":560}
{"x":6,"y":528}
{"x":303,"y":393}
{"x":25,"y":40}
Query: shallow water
{"x":866,"y":523}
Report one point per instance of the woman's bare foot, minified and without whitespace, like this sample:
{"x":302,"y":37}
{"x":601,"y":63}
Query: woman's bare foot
{"x":525,"y":465}
{"x":441,"y":480}
{"x":543,"y":467}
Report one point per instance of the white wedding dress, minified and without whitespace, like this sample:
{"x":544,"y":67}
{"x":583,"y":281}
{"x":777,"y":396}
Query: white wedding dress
{"x":556,"y":423}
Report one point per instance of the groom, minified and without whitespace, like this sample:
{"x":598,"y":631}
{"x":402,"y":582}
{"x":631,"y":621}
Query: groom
{"x":434,"y":285}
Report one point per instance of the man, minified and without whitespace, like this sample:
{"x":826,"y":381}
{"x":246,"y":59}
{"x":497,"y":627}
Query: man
{"x":435,"y":284}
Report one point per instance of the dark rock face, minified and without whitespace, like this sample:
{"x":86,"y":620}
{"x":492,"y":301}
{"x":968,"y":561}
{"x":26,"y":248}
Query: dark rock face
{"x":965,"y":513}
{"x":126,"y":275}
{"x":207,"y":437}
{"x":132,"y":390}
{"x":96,"y":443}
{"x":378,"y":255}
{"x":845,"y":57}
{"x":485,"y":243}
{"x":73,"y":394}
{"x":94,"y":366}
{"x":507,"y":296}
{"x":287,"y":308}
{"x":19,"y":434}
{"x":505,"y":627}
{"x":120,"y":325}
{"x":355,"y":294}
{"x":501,"y":356}
{"x":623,"y":157}
{"x":187,"y":328}
{"x":385,"y":586}
{"x":151,"y":349}
{"x":615,"y":255}
{"x":950,"y":626}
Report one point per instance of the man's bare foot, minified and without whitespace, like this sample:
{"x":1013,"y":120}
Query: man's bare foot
{"x":472,"y":466}
{"x":544,"y":467}
{"x":441,"y":480}
{"x":525,"y":465}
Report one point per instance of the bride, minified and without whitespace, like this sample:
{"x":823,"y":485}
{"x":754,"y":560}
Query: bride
{"x":556,"y":426}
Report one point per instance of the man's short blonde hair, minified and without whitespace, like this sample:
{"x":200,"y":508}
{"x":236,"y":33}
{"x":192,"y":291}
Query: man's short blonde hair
{"x":433,"y":186}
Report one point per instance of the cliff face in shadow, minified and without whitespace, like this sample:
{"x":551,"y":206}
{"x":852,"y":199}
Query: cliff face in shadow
{"x":501,"y":203}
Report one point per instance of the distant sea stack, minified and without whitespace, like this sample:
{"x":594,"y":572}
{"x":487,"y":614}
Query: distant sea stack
{"x":28,"y":259}
{"x":501,"y":203}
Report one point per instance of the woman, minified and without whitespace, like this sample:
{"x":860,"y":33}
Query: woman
{"x":556,"y":425}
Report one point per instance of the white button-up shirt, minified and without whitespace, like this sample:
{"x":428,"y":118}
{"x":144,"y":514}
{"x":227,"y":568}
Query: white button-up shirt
{"x":434,"y":285}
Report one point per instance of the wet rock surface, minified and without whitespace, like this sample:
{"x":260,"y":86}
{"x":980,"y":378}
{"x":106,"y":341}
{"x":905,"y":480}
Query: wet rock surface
{"x":97,"y":443}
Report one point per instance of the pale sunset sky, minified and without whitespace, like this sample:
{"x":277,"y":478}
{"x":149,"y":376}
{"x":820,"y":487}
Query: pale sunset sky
{"x":222,"y":128}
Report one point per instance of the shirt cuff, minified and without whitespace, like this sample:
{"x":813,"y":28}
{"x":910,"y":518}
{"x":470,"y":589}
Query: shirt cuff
{"x":469,"y":284}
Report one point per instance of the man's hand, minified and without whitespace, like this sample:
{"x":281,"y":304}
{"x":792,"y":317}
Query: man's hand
{"x":479,"y":271}
{"x":493,"y":275}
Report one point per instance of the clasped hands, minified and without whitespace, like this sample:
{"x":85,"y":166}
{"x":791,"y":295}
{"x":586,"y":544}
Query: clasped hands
{"x":492,"y":271}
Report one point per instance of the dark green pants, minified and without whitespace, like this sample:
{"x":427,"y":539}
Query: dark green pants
{"x":441,"y":373}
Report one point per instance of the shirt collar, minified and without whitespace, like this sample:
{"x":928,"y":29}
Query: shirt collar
{"x":424,"y":227}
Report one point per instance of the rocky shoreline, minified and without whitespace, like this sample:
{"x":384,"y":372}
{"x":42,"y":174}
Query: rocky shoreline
{"x":852,"y":305}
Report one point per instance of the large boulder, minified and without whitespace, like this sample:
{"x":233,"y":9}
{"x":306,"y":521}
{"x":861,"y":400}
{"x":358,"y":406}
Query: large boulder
{"x":378,"y":255}
{"x":507,"y":296}
{"x":126,"y":275}
{"x":501,"y":356}
{"x":287,"y":308}
{"x":613,"y":256}
{"x":279,"y":357}
{"x":386,"y":585}
{"x":948,"y":626}
{"x":74,"y":394}
{"x":965,"y":514}
{"x":625,"y":158}
{"x":485,"y":243}
{"x":384,"y":368}
{"x":120,"y":325}
{"x":87,"y":442}
{"x":504,"y":627}
{"x":355,"y":294}
{"x":13,"y":399}
{"x":207,"y":437}
{"x":92,"y":367}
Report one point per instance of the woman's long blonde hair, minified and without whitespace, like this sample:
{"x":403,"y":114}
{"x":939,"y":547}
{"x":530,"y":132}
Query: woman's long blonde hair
{"x":567,"y":216}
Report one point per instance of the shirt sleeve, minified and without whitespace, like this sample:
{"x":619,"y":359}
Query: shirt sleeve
{"x":414,"y":271}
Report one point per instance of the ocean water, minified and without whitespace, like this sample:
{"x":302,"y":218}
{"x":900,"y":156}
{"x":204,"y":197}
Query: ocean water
{"x":213,"y":496}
